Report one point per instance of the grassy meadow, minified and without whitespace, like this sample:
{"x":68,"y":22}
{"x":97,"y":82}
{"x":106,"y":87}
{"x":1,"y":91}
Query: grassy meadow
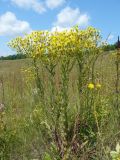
{"x":18,"y":96}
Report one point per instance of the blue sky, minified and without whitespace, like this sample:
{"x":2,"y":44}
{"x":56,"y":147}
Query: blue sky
{"x":22,"y":16}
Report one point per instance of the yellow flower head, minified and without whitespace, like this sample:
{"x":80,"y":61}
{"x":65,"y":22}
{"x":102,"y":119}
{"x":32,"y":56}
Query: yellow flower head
{"x":91,"y":86}
{"x":98,"y":85}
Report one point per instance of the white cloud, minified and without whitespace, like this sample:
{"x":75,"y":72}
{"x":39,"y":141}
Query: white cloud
{"x":11,"y":26}
{"x":58,"y":28}
{"x":110,"y":37}
{"x":54,"y":3}
{"x":69,"y":17}
{"x":36,"y":5}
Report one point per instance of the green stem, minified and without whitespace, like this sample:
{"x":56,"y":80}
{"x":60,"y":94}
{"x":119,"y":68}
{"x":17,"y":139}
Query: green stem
{"x":117,"y":82}
{"x":65,"y":81}
{"x":38,"y":80}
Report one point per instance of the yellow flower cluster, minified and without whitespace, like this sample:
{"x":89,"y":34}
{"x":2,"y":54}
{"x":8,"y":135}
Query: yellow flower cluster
{"x":50,"y":46}
{"x":98,"y":85}
{"x":92,"y":86}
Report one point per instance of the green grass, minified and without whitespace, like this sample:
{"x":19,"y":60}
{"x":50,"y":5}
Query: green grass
{"x":20,"y":101}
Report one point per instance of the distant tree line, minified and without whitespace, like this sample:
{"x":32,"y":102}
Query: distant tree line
{"x":13,"y":57}
{"x":110,"y":47}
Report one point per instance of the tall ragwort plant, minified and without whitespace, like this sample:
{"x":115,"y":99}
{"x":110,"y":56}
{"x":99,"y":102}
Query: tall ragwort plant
{"x":65,"y":125}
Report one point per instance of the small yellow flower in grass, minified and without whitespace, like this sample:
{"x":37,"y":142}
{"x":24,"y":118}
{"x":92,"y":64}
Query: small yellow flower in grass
{"x":91,"y":86}
{"x":98,"y":85}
